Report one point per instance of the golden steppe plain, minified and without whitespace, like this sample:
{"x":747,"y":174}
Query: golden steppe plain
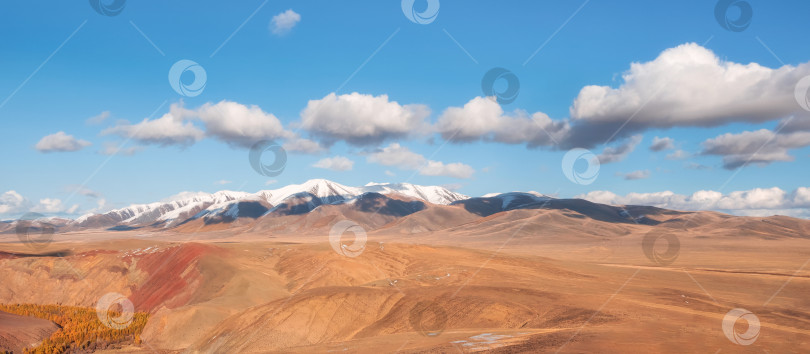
{"x":521,"y":281}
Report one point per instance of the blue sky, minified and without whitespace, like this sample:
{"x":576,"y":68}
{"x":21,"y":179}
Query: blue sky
{"x":64,"y":63}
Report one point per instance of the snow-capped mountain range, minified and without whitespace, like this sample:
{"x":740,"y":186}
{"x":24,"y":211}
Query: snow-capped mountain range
{"x":232,"y":204}
{"x":316,"y":203}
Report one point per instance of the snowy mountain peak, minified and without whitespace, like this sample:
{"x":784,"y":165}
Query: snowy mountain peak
{"x":431,"y":194}
{"x":495,"y":195}
{"x":188,"y":205}
{"x":320,"y":188}
{"x":373,"y":184}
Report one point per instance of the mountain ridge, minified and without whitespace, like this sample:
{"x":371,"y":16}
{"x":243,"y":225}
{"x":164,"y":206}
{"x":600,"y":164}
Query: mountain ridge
{"x":191,"y":205}
{"x":314,"y":205}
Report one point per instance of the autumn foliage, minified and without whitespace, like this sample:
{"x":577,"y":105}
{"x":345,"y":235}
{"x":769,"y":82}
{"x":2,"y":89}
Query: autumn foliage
{"x":80,"y":329}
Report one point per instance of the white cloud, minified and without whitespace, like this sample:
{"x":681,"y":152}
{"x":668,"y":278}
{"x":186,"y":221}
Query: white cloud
{"x":639,"y":174}
{"x":284,"y":22}
{"x":686,"y":86}
{"x":337,"y":163}
{"x":483,"y":118}
{"x":118,"y":149}
{"x":223,"y":182}
{"x":683,"y":86}
{"x":794,"y":124}
{"x":238,"y":124}
{"x":170,"y":129}
{"x":271,"y":181}
{"x":12,"y":203}
{"x":98,"y":119}
{"x":60,"y":142}
{"x":101,"y":202}
{"x":697,"y":166}
{"x":227,"y":121}
{"x":660,"y":144}
{"x":101,"y":207}
{"x":389,"y":173}
{"x":437,"y":168}
{"x":403,"y":158}
{"x":303,"y":145}
{"x":758,"y":201}
{"x":53,"y":206}
{"x":397,"y":155}
{"x":678,"y":155}
{"x":362,"y":119}
{"x":82,"y":190}
{"x":759,"y":147}
{"x":618,"y":153}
